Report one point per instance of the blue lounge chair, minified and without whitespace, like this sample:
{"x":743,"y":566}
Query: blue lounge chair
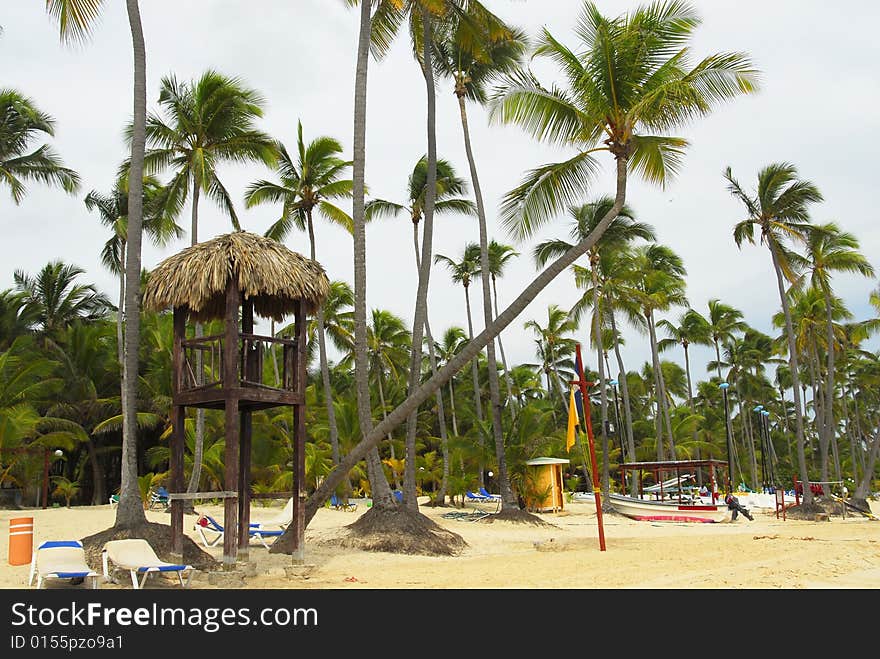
{"x":339,"y":504}
{"x":61,"y":560}
{"x":398,"y":495}
{"x":256,"y":530}
{"x":493,"y":497}
{"x":159,"y":497}
{"x":476,"y":498}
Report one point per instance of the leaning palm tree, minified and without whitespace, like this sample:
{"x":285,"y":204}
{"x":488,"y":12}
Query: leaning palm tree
{"x":20,"y":123}
{"x":76,"y":18}
{"x":311,"y":183}
{"x":208,"y":121}
{"x":831,"y":250}
{"x":779,"y":210}
{"x":655,"y":91}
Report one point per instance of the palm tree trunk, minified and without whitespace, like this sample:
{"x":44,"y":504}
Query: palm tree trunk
{"x":597,"y":337}
{"x":508,"y":498}
{"x":795,"y":378}
{"x":829,"y":376}
{"x":322,"y":356}
{"x":120,"y":340}
{"x":413,"y":400}
{"x":691,"y":404}
{"x":439,"y":496}
{"x":381,"y":493}
{"x":420,"y":314}
{"x":478,"y":402}
{"x":661,"y":384}
{"x":199,"y":448}
{"x":627,"y":413}
{"x":130,"y":510}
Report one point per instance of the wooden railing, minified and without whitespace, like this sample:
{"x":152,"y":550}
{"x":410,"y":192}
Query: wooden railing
{"x":203,"y":363}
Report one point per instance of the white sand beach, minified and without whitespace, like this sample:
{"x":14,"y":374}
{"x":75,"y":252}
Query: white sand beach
{"x":768,"y":553}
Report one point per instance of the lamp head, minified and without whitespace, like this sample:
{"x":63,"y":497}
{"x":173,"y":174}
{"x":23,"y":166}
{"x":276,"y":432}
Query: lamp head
{"x":58,"y":452}
{"x":724,"y":385}
{"x":613,"y":383}
{"x":758,"y":408}
{"x":765,"y":413}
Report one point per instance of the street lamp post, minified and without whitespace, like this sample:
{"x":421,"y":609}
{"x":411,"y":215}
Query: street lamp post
{"x":765,"y":414}
{"x":760,"y":410}
{"x":724,"y":386}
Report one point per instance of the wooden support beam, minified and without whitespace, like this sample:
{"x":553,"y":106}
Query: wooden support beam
{"x":299,"y":436}
{"x":231,"y":455}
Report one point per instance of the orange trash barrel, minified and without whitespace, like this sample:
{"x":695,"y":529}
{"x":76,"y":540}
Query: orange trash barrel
{"x":21,"y":540}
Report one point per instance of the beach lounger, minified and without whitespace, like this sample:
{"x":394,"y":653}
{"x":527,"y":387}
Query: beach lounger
{"x":159,"y":497}
{"x":493,"y":497}
{"x":282,"y":521}
{"x":339,"y":504}
{"x":476,"y":498}
{"x":138,"y":557}
{"x":207,"y":523}
{"x":61,"y":560}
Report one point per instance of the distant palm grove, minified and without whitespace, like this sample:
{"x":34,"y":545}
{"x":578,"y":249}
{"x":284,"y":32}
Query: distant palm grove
{"x":437,"y":410}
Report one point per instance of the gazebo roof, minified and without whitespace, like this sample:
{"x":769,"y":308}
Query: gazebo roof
{"x":266,"y":272}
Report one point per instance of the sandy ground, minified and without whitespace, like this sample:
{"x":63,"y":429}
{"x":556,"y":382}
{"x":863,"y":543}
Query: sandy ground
{"x":768,"y":553}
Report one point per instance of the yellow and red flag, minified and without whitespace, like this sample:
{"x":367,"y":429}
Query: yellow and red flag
{"x":572,"y":421}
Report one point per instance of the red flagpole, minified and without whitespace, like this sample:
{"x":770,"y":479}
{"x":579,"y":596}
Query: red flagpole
{"x":582,"y":382}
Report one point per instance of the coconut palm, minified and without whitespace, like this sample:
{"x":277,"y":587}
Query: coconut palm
{"x":209,"y":121}
{"x":113,"y":211}
{"x":692,"y":328}
{"x":21,"y":122}
{"x":499,"y":255}
{"x":75,"y":19}
{"x":311,"y":183}
{"x":475,"y":48}
{"x":622,"y":230}
{"x":779,"y":209}
{"x":831,"y":250}
{"x":555,"y":349}
{"x":655,"y":91}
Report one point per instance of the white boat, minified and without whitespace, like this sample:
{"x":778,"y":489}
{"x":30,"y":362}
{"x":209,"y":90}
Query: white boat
{"x":668,"y":511}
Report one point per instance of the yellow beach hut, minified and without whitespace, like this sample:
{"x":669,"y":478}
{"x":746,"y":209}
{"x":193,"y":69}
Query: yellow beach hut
{"x":545,"y":487}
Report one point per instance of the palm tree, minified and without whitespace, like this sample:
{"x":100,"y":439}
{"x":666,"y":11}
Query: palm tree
{"x":691,"y":328}
{"x":555,"y":350}
{"x":724,"y":322}
{"x":655,"y":91}
{"x":20,"y":123}
{"x":622,"y":230}
{"x":75,"y":19}
{"x":56,"y":300}
{"x":831,"y":250}
{"x":462,"y":272}
{"x":210,"y":121}
{"x":475,"y":48}
{"x":113,"y":211}
{"x":310,"y":183}
{"x":499,"y":255}
{"x":779,"y":210}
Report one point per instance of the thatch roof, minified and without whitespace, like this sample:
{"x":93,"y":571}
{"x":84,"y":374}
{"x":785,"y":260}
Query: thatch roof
{"x":267,"y":273}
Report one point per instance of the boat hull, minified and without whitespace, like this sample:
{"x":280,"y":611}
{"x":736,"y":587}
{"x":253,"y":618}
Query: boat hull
{"x":658,"y":511}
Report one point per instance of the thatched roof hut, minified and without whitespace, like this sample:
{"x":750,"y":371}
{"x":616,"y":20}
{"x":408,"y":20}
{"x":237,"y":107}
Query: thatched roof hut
{"x":267,"y":273}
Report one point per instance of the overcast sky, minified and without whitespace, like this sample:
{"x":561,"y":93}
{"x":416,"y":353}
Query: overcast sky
{"x":816,"y":109}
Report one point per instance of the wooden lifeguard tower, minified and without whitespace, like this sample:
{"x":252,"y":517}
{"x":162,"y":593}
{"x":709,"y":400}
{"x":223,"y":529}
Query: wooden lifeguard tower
{"x":233,"y":277}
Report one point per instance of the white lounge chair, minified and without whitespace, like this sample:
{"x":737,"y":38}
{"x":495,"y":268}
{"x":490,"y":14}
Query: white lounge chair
{"x":61,"y":559}
{"x":137,"y":556}
{"x":282,"y":520}
{"x":208,"y":523}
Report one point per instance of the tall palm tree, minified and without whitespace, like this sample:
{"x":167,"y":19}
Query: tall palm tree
{"x":311,"y":183}
{"x":692,"y":328}
{"x":658,"y":284}
{"x":447,"y":199}
{"x":654,"y":91}
{"x":499,"y":255}
{"x":831,"y":250}
{"x":75,"y":19}
{"x":475,"y":48}
{"x":779,"y":210}
{"x":20,"y":123}
{"x":462,"y":272}
{"x":622,"y":230}
{"x":209,"y":121}
{"x":555,"y":349}
{"x":113,"y":211}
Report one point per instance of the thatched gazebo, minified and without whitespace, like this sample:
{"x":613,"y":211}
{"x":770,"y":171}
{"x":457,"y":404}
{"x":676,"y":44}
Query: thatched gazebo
{"x":214,"y":280}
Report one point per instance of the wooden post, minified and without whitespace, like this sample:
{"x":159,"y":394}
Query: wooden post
{"x":299,"y":436}
{"x":231,"y":386}
{"x":582,"y":382}
{"x":178,"y":432}
{"x":45,"y":478}
{"x":244,"y":472}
